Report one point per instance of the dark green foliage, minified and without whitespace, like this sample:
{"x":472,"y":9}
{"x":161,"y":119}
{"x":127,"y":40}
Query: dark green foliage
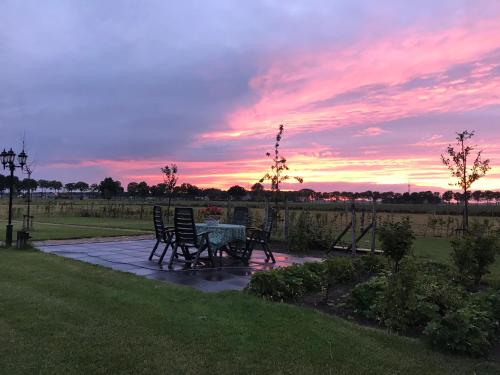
{"x":341,"y":269}
{"x":397,"y":240}
{"x":473,"y":254}
{"x":289,"y":283}
{"x":469,"y":330}
{"x":400,"y":298}
{"x":372,"y":264}
{"x":306,"y":234}
{"x":366,"y":298}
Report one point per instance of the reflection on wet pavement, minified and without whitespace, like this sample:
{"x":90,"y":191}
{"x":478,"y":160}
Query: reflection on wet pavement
{"x":132,"y":256}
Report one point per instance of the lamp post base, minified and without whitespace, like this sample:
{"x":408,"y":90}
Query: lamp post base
{"x":8,"y":235}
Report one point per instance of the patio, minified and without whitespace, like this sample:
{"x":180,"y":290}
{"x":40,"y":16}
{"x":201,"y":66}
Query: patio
{"x":131,"y":255}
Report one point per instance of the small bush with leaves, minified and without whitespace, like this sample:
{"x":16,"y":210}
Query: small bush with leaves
{"x":366,"y":298}
{"x":289,"y":283}
{"x":473,"y":254}
{"x":306,"y":235}
{"x":397,"y":240}
{"x":467,"y":330}
{"x":372,"y":264}
{"x":400,"y":298}
{"x":341,"y":269}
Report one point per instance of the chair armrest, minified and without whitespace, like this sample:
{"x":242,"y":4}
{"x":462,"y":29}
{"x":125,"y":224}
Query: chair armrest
{"x":203,"y":233}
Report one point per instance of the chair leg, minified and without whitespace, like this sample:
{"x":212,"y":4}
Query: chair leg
{"x":174,"y":253}
{"x":154,"y":249}
{"x":196,"y":259}
{"x":268,"y":252}
{"x":164,"y":253}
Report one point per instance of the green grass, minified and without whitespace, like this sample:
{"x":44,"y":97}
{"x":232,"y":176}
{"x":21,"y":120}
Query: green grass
{"x":59,"y":316}
{"x":56,"y":232}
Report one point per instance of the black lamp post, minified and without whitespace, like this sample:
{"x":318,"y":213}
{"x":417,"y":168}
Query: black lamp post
{"x":8,"y":161}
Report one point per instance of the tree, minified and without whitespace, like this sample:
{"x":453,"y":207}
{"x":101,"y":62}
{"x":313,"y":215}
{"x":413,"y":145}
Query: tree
{"x":456,"y":162}
{"x":158,"y":190}
{"x":143,"y":189}
{"x":94,"y":188}
{"x":3,"y":184}
{"x":82,"y":187}
{"x":70,"y":187}
{"x":170,"y":180}
{"x":448,"y":196}
{"x":257,"y":190}
{"x":110,"y":188}
{"x":477,"y":195}
{"x":237,"y":192}
{"x":132,"y":189}
{"x":28,"y":184}
{"x":56,"y":185}
{"x":278,"y":173}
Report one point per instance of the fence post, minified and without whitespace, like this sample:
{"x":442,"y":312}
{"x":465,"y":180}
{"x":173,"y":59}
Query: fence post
{"x":286,"y":223}
{"x":374,"y":228}
{"x":353,"y":229}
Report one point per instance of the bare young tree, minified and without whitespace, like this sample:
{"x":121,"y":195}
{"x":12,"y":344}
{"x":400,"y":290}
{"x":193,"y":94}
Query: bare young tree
{"x":465,"y":173}
{"x":279,"y":169}
{"x":170,"y":180}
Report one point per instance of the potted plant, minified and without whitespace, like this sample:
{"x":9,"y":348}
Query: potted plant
{"x":212,"y":215}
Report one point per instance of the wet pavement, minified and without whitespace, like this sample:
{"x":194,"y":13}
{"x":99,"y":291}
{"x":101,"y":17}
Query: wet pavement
{"x":131,"y":256}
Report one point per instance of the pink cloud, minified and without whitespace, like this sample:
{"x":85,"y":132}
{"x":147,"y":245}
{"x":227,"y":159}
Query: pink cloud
{"x":300,"y":89}
{"x":370,"y":132}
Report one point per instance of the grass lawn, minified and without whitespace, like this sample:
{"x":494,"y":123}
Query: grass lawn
{"x":56,"y":232}
{"x":59,"y":316}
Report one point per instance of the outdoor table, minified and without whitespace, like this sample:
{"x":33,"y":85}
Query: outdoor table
{"x":220,"y":235}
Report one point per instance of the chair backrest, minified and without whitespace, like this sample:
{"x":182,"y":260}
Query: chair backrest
{"x":158,"y":223}
{"x":240,"y":216}
{"x":185,"y":230}
{"x":267,"y":227}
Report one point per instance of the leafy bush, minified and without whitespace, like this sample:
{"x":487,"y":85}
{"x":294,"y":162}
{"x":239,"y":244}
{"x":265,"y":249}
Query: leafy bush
{"x":397,"y":240}
{"x":469,"y":329}
{"x":466,"y":330}
{"x":341,"y":269}
{"x":400,"y":300}
{"x":473,"y":254}
{"x":366,"y":298}
{"x":372,"y":264}
{"x":288,"y":283}
{"x":305,"y":234}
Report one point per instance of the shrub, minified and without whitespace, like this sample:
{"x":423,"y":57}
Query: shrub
{"x":397,"y":240}
{"x":306,"y":235}
{"x":289,"y":283}
{"x":372,"y":264}
{"x":473,"y":254}
{"x":341,"y":269}
{"x":399,"y":302}
{"x":466,"y":330}
{"x":366,"y":298}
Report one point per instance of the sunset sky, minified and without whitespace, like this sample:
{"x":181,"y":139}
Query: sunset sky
{"x":370,"y":92}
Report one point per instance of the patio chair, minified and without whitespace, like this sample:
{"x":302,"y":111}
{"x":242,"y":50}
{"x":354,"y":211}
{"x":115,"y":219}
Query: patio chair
{"x":257,"y":236}
{"x":186,"y":239}
{"x":163,"y":234}
{"x":240,"y":216}
{"x":262,"y":236}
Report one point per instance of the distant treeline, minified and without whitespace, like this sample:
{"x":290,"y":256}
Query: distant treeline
{"x":109,"y":188}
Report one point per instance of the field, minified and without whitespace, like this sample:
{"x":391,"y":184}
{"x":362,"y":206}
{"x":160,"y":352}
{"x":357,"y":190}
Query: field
{"x":427,"y":220}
